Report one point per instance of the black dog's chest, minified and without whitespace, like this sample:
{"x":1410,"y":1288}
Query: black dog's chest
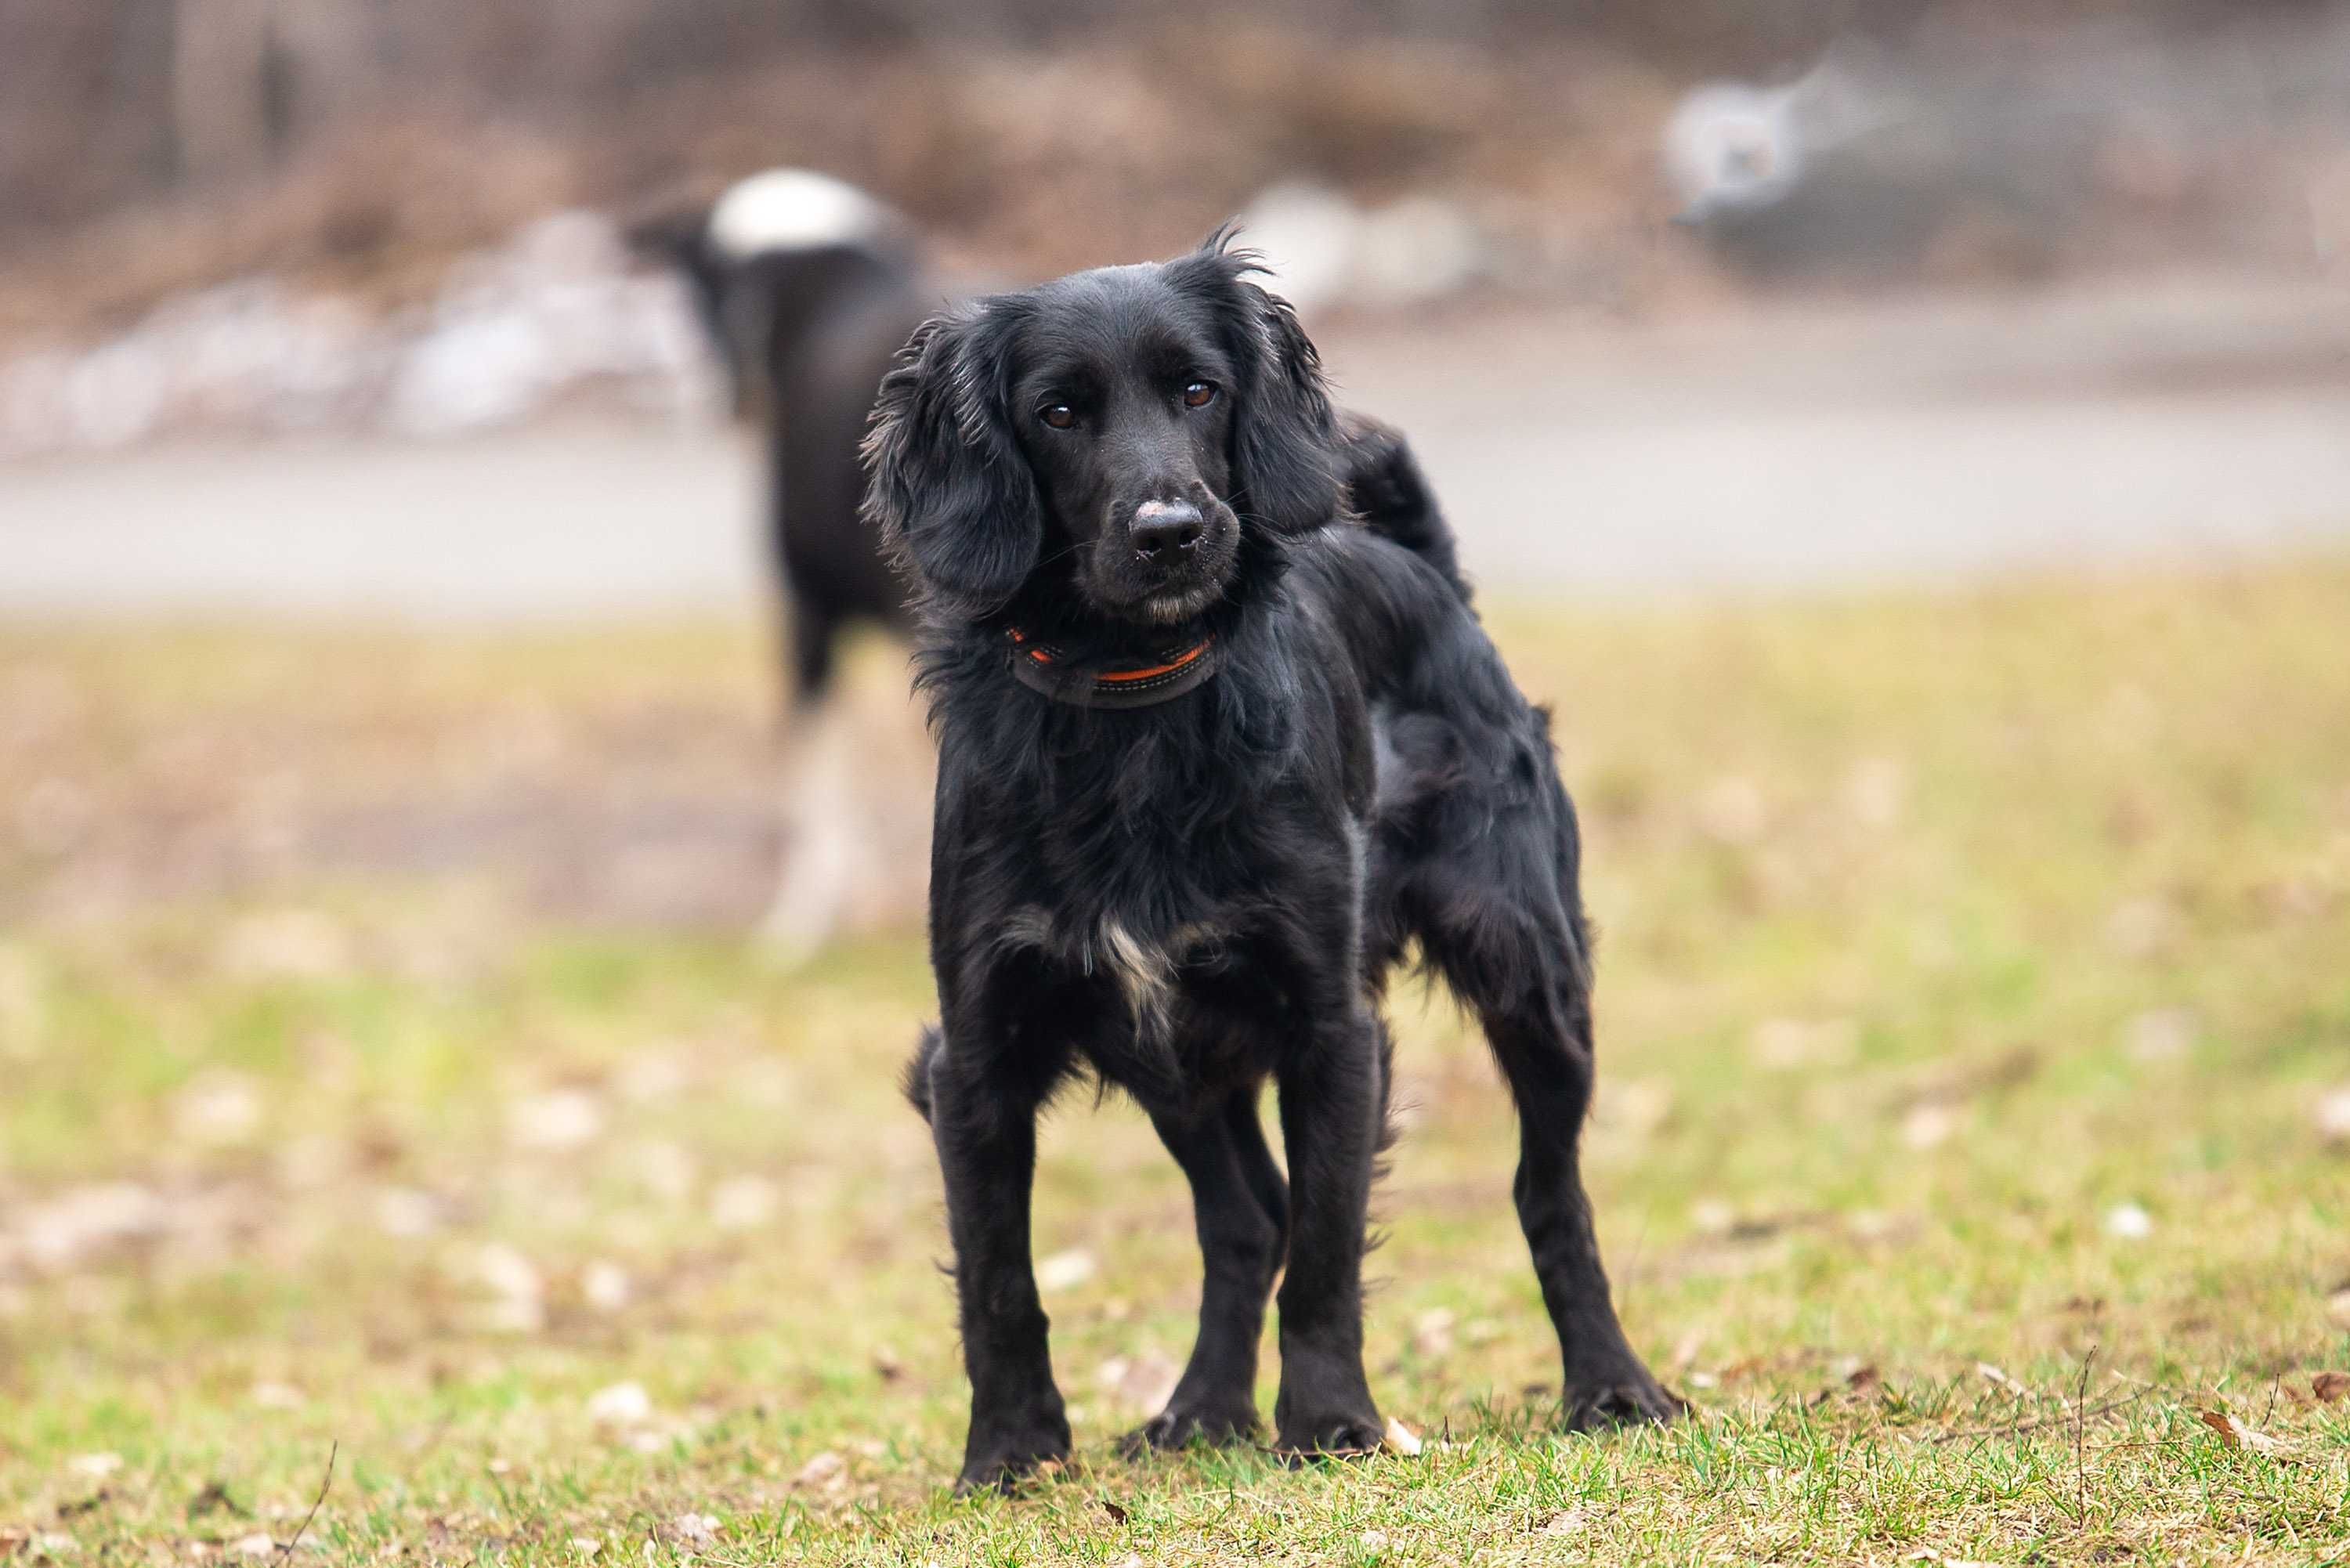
{"x":1170,"y":1015}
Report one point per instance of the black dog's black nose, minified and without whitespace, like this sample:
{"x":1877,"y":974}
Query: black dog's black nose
{"x":1163,"y":524}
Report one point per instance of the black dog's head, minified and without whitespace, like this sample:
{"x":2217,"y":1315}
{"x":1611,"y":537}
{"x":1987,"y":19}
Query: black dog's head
{"x":1117,"y":433}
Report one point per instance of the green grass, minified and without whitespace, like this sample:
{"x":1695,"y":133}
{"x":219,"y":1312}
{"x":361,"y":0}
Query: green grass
{"x":1938,"y":931}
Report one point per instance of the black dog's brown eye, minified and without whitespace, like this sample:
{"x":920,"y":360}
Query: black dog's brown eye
{"x":1199,"y":394}
{"x":1060,"y":416}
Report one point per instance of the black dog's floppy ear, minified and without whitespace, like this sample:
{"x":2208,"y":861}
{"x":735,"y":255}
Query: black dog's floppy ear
{"x":1286,"y":459}
{"x":949,"y":486}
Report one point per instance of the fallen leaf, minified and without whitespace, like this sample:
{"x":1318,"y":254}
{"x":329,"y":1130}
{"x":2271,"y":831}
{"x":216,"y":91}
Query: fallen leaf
{"x":89,"y":1504}
{"x":1994,"y":1376}
{"x":697,"y":1530}
{"x":1791,"y":1044}
{"x":1066,"y":1270}
{"x":823,"y":1470}
{"x":2162,"y":1034}
{"x":586,"y":1545}
{"x":1401,"y":1439}
{"x":276,"y":1397}
{"x":407,"y":1213}
{"x":2143,"y":927}
{"x":2329,"y":1388}
{"x":2236,"y":1434}
{"x":1929,"y":1125}
{"x":1732,"y":810}
{"x":1145,"y":1382}
{"x":1566,"y":1523}
{"x":1117,"y":1511}
{"x":604,"y":1285}
{"x":2333,"y":1115}
{"x":213,"y":1498}
{"x":886,"y":1363}
{"x":219,"y":1109}
{"x":621,"y":1404}
{"x":1431,"y":1333}
{"x":1865,"y":1376}
{"x":260,"y":1544}
{"x":557,"y":1121}
{"x":743,"y":1202}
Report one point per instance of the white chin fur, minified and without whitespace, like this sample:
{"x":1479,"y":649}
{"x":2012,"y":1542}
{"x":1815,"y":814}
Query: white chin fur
{"x":1169,"y":609}
{"x":792,"y":209}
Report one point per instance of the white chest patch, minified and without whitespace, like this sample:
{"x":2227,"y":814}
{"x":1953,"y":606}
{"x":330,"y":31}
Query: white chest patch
{"x":1143,"y":969}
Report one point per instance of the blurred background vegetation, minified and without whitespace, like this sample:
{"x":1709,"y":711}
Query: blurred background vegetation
{"x":366,"y":142}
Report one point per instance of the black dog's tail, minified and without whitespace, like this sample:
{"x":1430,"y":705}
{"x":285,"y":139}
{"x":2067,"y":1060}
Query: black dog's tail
{"x":1386,"y":489}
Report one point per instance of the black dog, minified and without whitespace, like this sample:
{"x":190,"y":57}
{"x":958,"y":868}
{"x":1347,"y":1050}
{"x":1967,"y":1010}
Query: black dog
{"x":1211,"y":755}
{"x":808,"y":287}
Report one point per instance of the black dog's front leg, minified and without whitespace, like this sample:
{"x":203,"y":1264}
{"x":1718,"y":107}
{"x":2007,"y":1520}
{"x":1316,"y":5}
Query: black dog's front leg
{"x":1332,"y":1100}
{"x":987,"y":1151}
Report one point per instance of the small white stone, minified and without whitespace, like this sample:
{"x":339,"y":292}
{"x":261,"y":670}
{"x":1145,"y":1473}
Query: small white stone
{"x":2129,"y":1222}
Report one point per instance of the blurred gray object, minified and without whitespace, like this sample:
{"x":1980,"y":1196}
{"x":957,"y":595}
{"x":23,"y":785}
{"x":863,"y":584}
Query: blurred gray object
{"x":1997,"y":157}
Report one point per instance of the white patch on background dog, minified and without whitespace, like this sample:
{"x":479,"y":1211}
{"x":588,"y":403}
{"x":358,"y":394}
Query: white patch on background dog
{"x":824,"y":847}
{"x":792,"y":209}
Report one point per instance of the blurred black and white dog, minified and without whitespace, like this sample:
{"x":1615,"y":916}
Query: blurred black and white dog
{"x":1213,"y":750}
{"x":808,"y":287}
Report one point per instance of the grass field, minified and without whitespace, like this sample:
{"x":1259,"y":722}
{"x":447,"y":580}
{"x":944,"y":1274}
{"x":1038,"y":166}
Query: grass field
{"x":1972,"y":1147}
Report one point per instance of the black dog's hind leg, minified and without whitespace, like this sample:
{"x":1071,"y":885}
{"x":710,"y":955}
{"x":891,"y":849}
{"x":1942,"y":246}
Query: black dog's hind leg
{"x":987,"y":1150}
{"x":1333,"y":1118}
{"x":1521,"y":965}
{"x":1240,"y":1205}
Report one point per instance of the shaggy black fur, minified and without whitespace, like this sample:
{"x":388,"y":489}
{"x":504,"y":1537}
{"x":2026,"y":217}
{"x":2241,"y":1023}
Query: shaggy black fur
{"x":1187,"y":900}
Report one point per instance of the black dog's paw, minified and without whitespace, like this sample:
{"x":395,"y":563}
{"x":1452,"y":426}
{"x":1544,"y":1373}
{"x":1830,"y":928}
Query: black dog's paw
{"x":1183,"y":1423}
{"x":1002,"y":1463}
{"x":1333,"y":1437}
{"x":1629,"y":1398}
